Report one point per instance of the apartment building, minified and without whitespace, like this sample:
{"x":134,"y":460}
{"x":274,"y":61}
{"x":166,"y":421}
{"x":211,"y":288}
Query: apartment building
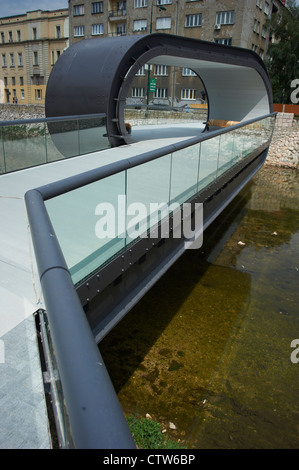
{"x":30,"y":44}
{"x":230,"y":22}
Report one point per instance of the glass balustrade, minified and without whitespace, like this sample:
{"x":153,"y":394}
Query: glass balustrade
{"x":98,"y":221}
{"x":30,"y":143}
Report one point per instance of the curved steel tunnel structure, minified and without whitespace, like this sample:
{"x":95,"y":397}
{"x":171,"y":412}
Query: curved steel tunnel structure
{"x":94,"y":76}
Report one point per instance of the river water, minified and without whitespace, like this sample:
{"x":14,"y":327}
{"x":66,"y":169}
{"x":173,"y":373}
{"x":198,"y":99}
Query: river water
{"x":208,"y":349}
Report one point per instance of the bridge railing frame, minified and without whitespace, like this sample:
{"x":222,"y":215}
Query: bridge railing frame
{"x":95,"y":414}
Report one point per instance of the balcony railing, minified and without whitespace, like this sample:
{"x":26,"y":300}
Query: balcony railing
{"x":117,"y":13}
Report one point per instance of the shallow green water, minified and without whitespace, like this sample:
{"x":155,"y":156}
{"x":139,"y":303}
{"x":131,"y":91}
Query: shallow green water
{"x":209,"y":347}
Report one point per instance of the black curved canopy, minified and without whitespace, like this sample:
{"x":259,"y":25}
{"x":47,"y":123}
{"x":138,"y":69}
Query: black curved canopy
{"x":94,"y":76}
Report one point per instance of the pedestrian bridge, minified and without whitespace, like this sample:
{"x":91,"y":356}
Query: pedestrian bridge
{"x":104,"y":234}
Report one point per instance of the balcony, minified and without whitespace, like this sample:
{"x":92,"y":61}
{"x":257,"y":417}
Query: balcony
{"x":115,"y":15}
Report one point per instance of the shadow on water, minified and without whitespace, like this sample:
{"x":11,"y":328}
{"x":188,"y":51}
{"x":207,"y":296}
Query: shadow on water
{"x":125,"y":349}
{"x":197,"y":346}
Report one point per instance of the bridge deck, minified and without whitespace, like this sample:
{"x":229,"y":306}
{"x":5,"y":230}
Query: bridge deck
{"x":22,"y":404}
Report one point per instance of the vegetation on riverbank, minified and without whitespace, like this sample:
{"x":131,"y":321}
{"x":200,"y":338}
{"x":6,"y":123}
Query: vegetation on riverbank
{"x":147,"y":434}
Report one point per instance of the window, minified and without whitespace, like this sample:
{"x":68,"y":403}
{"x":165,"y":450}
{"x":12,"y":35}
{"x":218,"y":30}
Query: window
{"x":163,"y":23}
{"x":21,"y":81}
{"x":264,"y":32}
{"x":140,"y":3}
{"x":188,"y":94}
{"x":34,"y":33}
{"x":5,"y":81}
{"x":225,"y":17}
{"x":4,"y":64}
{"x":58,"y":32}
{"x":188,"y":72}
{"x":225,"y":41}
{"x":141,"y":71}
{"x":10,"y":36}
{"x":256,"y":26}
{"x":2,"y":38}
{"x":161,"y":93}
{"x":259,"y":3}
{"x":97,"y":7}
{"x":161,"y":70}
{"x":78,"y":31}
{"x":140,"y":25}
{"x":137,"y":92}
{"x":121,"y":7}
{"x":12,"y":60}
{"x":35,"y":58}
{"x":267,"y":8}
{"x":38,"y":95}
{"x":20,"y":56}
{"x":97,"y":29}
{"x":13,"y":81}
{"x":18,"y":35}
{"x":164,"y":2}
{"x":193,"y":20}
{"x":78,"y":10}
{"x":121,"y":29}
{"x":22,"y":94}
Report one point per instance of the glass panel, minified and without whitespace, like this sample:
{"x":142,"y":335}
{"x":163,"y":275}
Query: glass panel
{"x":86,"y":224}
{"x":53,"y":153}
{"x":64,"y":135}
{"x":237,"y":145}
{"x":24,"y":145}
{"x":148,"y":188}
{"x":2,"y":160}
{"x":249,"y":142}
{"x":208,"y":161}
{"x":92,"y":135}
{"x":226,"y":152}
{"x":184,"y":173}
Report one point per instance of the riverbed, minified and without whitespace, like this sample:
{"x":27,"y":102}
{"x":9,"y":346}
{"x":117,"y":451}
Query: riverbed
{"x":207,"y":352}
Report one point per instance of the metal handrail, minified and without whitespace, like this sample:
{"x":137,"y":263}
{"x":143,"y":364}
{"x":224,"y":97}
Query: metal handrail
{"x":95,"y":415}
{"x":57,"y":188}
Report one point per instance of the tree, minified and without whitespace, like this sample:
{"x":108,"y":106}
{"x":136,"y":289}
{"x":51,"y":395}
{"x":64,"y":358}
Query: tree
{"x":283,"y":55}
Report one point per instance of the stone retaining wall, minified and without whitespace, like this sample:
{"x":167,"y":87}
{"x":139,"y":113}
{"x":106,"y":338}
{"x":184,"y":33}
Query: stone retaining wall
{"x":284,"y":148}
{"x":139,"y":117}
{"x":15,"y":112}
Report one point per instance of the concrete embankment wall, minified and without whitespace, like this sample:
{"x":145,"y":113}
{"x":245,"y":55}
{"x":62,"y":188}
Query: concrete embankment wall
{"x":284,"y":149}
{"x":15,"y":112}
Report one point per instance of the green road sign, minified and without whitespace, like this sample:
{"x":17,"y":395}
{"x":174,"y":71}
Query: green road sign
{"x":152,"y":86}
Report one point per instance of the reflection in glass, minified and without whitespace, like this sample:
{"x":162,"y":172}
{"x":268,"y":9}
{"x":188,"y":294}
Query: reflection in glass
{"x":2,"y":160}
{"x":86,"y":224}
{"x":97,"y":222}
{"x":226,"y":152}
{"x":209,"y":154}
{"x":184,"y":173}
{"x":24,"y":145}
{"x":148,"y":188}
{"x":41,"y":141}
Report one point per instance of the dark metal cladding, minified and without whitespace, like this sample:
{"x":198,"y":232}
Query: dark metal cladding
{"x":94,"y":76}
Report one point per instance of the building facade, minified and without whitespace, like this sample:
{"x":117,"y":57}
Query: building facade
{"x":239,"y":23}
{"x":30,"y":44}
